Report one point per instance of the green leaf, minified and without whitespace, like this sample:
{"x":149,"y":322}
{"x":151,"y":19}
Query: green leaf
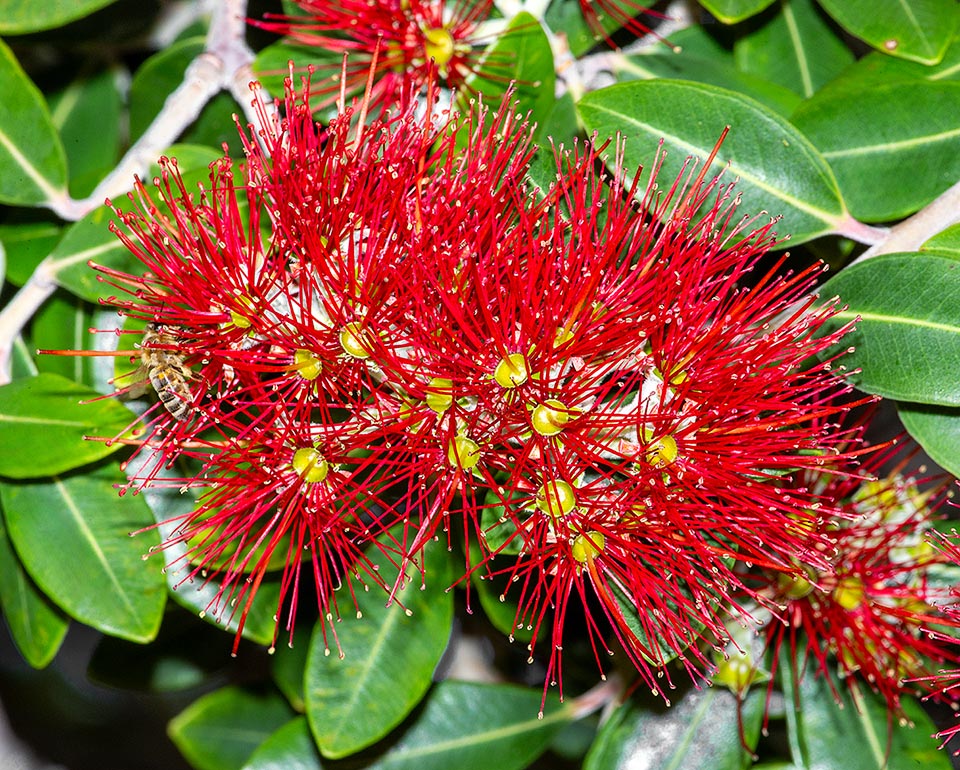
{"x":44,"y":419}
{"x":288,"y":666}
{"x":221,"y":730}
{"x":63,"y":323}
{"x":33,"y":166}
{"x":944,"y":243}
{"x":907,"y":341}
{"x":272,"y":63}
{"x":73,"y":536}
{"x":36,"y":625}
{"x":779,"y":170}
{"x":732,"y":11}
{"x":476,"y":727}
{"x":795,"y":48}
{"x":26,"y":244}
{"x":566,"y":17}
{"x":87,"y":114}
{"x":854,"y":733}
{"x":20,"y":16}
{"x":890,"y":132}
{"x":289,"y":748}
{"x":700,"y":730}
{"x":388,"y":660}
{"x":520,"y":54}
{"x":683,"y":66}
{"x":919,"y":30}
{"x":937,"y":430}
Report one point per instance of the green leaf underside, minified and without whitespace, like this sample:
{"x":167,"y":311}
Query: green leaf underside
{"x":919,"y":30}
{"x":18,"y":17}
{"x":33,"y":165}
{"x":779,"y":171}
{"x":104,"y":581}
{"x":290,"y":748}
{"x":853,"y":734}
{"x":388,"y":663}
{"x":698,"y":731}
{"x":221,"y":730}
{"x":732,"y":11}
{"x":476,"y":727}
{"x":44,"y":424}
{"x":36,"y":625}
{"x":937,"y":430}
{"x":796,"y":48}
{"x":907,"y":341}
{"x":890,"y":131}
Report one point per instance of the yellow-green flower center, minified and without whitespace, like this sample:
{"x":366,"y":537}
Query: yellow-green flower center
{"x":307,"y":364}
{"x":662,"y":452}
{"x":310,"y":465}
{"x":556,"y":498}
{"x":551,"y":417}
{"x":849,"y":593}
{"x":463,"y":453}
{"x":439,"y":394}
{"x":511,"y":371}
{"x":355,"y":340}
{"x":439,"y":45}
{"x":586,"y":546}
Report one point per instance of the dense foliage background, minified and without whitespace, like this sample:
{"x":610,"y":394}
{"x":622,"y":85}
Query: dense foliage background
{"x":844,"y":121}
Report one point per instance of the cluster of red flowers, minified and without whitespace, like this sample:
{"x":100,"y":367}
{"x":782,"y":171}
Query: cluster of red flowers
{"x":380,"y":331}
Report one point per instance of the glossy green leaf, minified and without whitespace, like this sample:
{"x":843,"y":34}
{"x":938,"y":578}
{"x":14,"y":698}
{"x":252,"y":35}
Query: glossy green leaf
{"x":289,"y":748}
{"x":20,"y":16}
{"x":221,"y":730}
{"x":898,"y":131}
{"x":779,"y":170}
{"x":22,"y":364}
{"x":72,"y":534}
{"x":937,"y":430}
{"x":44,"y":420}
{"x":795,"y":48}
{"x":853,"y":734}
{"x":272,"y":63}
{"x":522,"y":54}
{"x":388,"y":663}
{"x":699,"y":730}
{"x":63,"y":323}
{"x":33,"y":166}
{"x":25,"y":245}
{"x":87,"y":115}
{"x":567,"y":17}
{"x":919,"y":30}
{"x":289,"y":664}
{"x":732,"y":11}
{"x":36,"y":625}
{"x":476,"y":727}
{"x":907,"y":339}
{"x":682,"y":66}
{"x":944,"y":243}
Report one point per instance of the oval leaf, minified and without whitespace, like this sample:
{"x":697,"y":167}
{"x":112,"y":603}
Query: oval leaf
{"x":33,"y":165}
{"x":73,"y":536}
{"x":732,"y":11}
{"x":889,"y":132}
{"x":796,"y":48}
{"x":701,"y":730}
{"x":18,"y":17}
{"x":907,"y":339}
{"x":919,"y":29}
{"x":36,"y":626}
{"x":388,"y":661}
{"x":937,"y":430}
{"x":778,"y":169}
{"x":476,"y":727}
{"x":946,"y":243}
{"x":45,"y":422}
{"x":289,"y":748}
{"x":221,"y":730}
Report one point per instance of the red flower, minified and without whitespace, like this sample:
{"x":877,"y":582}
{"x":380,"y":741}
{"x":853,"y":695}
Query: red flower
{"x":873,"y":608}
{"x":407,"y":43}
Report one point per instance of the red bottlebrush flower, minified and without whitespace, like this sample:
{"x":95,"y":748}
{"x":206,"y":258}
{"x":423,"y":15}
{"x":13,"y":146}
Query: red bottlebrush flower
{"x":874,"y":608}
{"x":407,"y":43}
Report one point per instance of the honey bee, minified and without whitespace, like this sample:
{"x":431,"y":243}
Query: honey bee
{"x":166,"y":369}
